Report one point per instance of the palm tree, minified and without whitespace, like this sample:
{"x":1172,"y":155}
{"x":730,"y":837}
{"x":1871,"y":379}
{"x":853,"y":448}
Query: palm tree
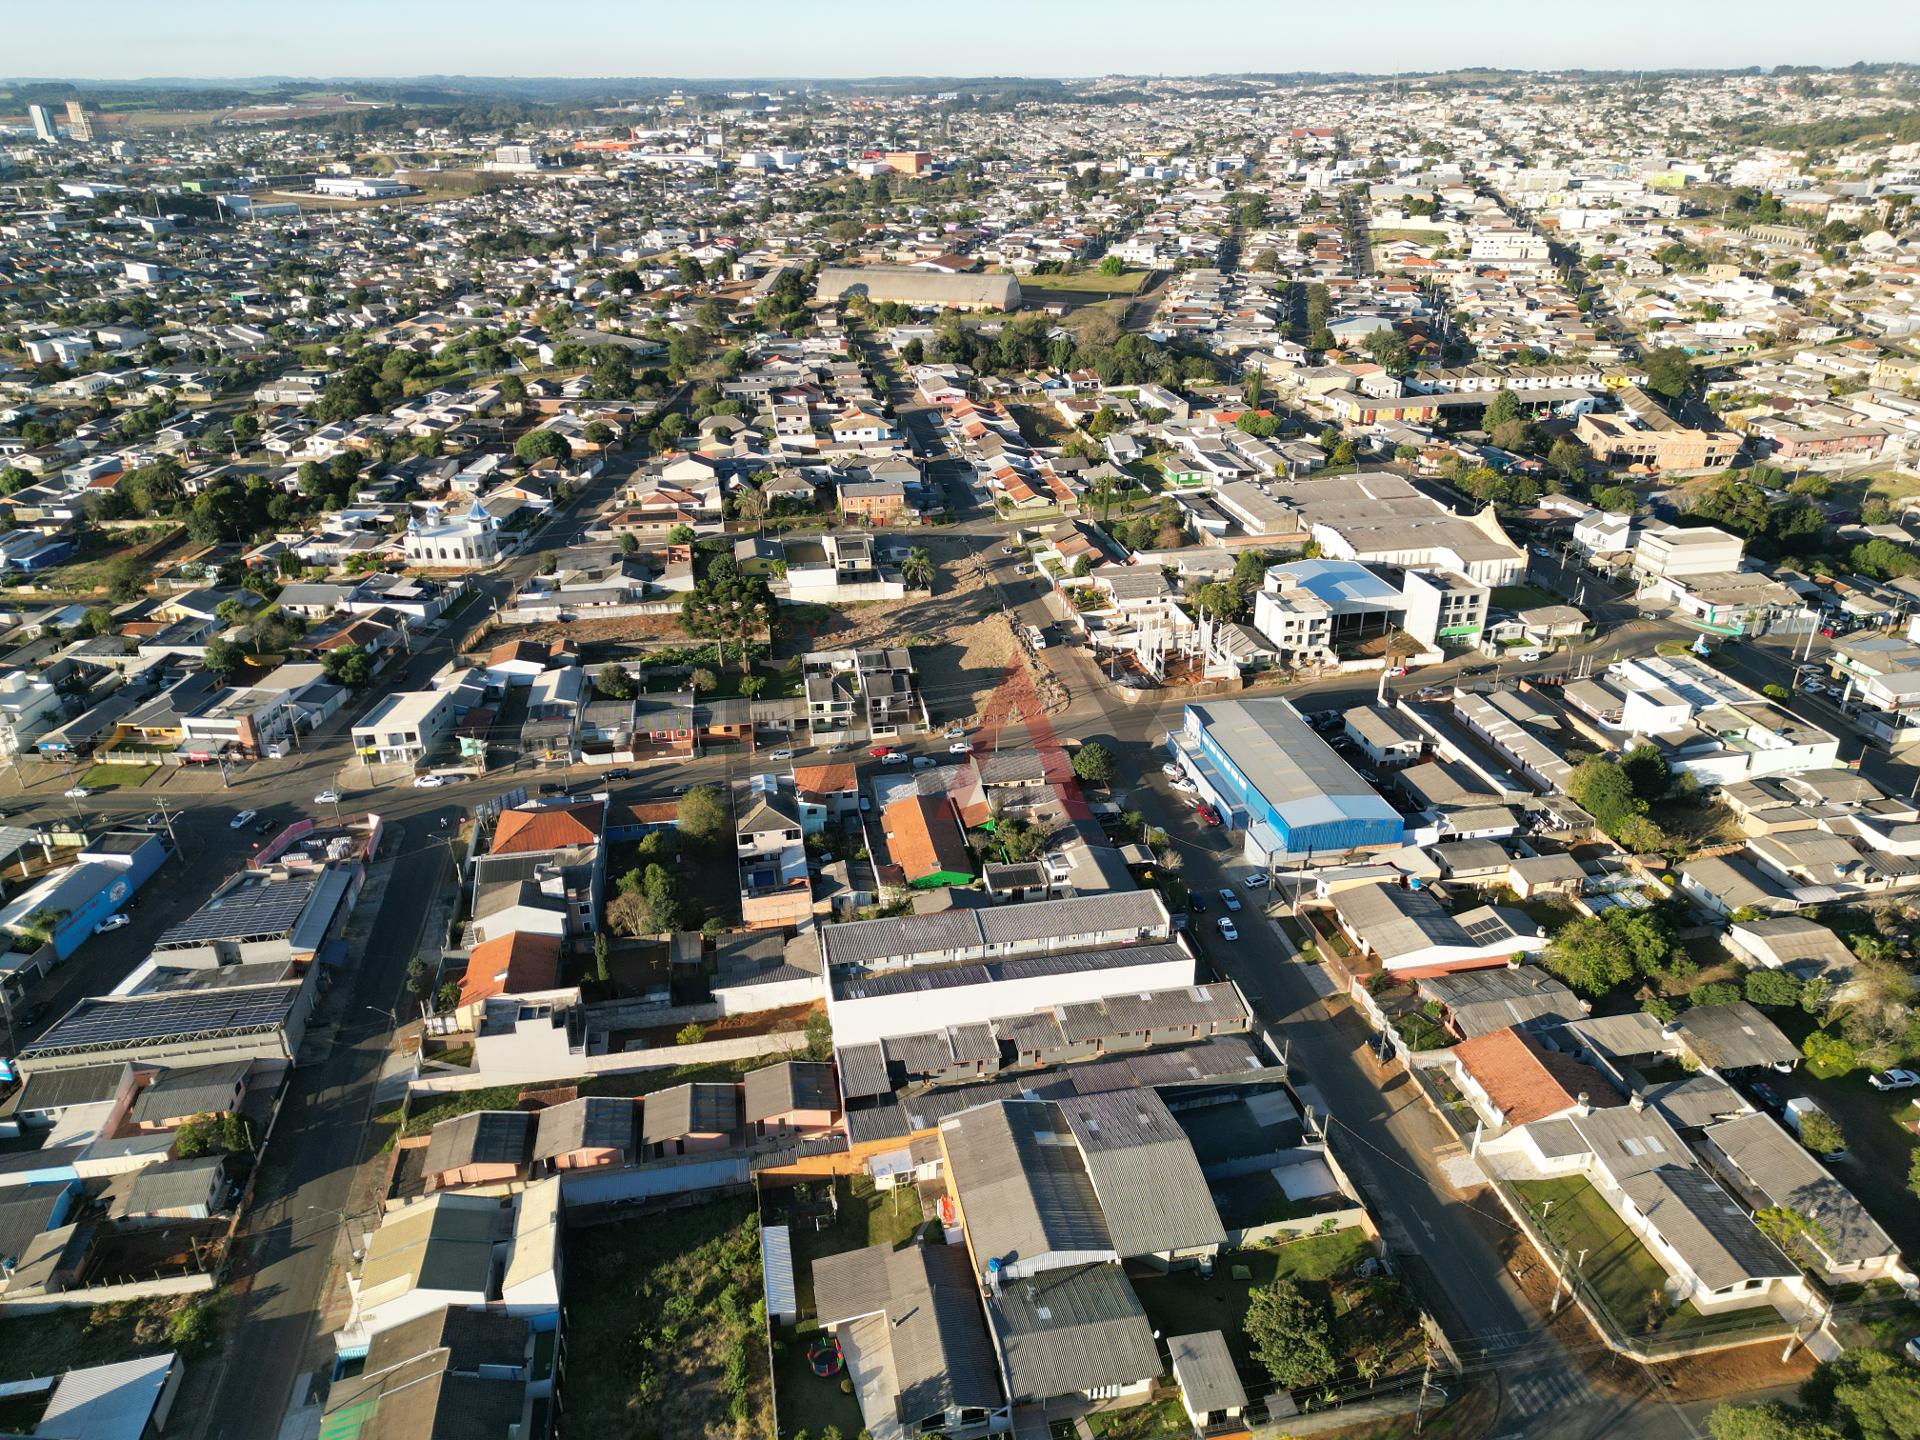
{"x":917,"y":568}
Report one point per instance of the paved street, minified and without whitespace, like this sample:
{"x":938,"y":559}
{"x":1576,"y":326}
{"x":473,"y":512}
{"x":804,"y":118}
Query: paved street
{"x":1386,"y":1137}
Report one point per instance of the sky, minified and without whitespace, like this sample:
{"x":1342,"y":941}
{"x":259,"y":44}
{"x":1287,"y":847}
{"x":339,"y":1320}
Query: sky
{"x":704,"y":39}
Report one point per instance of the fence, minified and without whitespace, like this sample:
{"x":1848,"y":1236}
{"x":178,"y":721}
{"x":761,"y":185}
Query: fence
{"x":1720,"y":1333}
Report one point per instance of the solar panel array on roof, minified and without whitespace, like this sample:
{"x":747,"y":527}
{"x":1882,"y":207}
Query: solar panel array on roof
{"x":263,"y":906}
{"x":105,"y":1024}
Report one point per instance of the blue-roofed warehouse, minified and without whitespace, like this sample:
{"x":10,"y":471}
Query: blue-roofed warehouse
{"x":1263,"y":767}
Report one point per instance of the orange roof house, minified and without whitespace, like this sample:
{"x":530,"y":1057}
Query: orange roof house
{"x":549,"y":827}
{"x":1524,"y":1081}
{"x":925,"y":842}
{"x":511,"y":965}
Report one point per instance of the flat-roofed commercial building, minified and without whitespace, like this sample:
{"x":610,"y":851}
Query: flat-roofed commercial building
{"x":1263,"y":767}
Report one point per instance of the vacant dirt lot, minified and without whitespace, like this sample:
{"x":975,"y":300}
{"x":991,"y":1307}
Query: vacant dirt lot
{"x":961,"y":641}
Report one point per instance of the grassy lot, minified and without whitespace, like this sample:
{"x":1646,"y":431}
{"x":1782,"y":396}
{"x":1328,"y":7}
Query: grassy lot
{"x":1522,"y":597}
{"x":1419,"y":237}
{"x":1040,"y":427}
{"x":1084,"y":282}
{"x":1185,"y":1303}
{"x":665,"y":1305}
{"x":75,"y":1336}
{"x":1619,"y":1271}
{"x":118,"y":777}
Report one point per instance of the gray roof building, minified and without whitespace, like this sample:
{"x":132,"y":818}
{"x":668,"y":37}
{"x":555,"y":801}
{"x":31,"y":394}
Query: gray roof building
{"x":791,"y":1085}
{"x":594,"y":1122}
{"x":1770,"y":1167}
{"x":483,"y":1137}
{"x":1023,"y":1188}
{"x":1072,"y":1331}
{"x":1482,"y":1001}
{"x":701,"y":1108}
{"x":915,"y":1315}
{"x":1735,"y":1037}
{"x":1145,"y":1175}
{"x":1203,"y":1365}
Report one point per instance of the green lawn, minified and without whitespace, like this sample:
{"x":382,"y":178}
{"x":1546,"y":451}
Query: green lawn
{"x":1186,"y":1303}
{"x":1619,"y":1271}
{"x":118,"y":777}
{"x":1085,"y":282}
{"x":660,"y":1311}
{"x":1522,"y":597}
{"x":1160,"y":1420}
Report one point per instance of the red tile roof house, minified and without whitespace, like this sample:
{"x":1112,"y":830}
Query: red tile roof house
{"x":516,"y":964}
{"x":1513,"y":1080}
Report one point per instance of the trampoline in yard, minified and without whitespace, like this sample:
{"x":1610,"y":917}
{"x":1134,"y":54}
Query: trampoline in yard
{"x":824,"y":1357}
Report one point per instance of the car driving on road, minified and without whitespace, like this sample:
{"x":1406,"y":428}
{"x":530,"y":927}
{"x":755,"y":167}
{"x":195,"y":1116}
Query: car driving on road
{"x":1228,"y":898}
{"x":241,"y":819}
{"x":1226,"y":927}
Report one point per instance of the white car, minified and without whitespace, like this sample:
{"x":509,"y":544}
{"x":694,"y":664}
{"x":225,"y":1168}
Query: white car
{"x":893,"y":757}
{"x":327,"y":797}
{"x":1894,"y":1080}
{"x":428,"y":782}
{"x":241,"y":819}
{"x":1226,"y":927}
{"x":924,"y":762}
{"x":78,"y":792}
{"x":781,"y":755}
{"x":1173,"y":771}
{"x":1255,"y":882}
{"x":112,"y":922}
{"x":1228,"y":898}
{"x":960,"y":747}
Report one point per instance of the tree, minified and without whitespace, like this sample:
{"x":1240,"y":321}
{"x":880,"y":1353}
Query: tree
{"x":1821,"y":1133}
{"x":703,"y":681}
{"x":538,"y":445}
{"x":96,"y":621}
{"x":702,"y":818}
{"x":601,"y":948}
{"x":513,"y":390}
{"x":1771,"y":1421}
{"x":1616,"y":499}
{"x":1503,"y":409}
{"x":728,"y":605}
{"x":1669,"y":372}
{"x":225,"y":658}
{"x":350,"y":666}
{"x":819,"y":1036}
{"x":629,"y":545}
{"x":1569,"y":458}
{"x":1771,"y":988}
{"x":1387,"y":348}
{"x":918,"y":569}
{"x":1113,"y":265}
{"x":126,"y":579}
{"x":226,"y":1133}
{"x":1290,"y":1334}
{"x":1093,"y":763}
{"x":1828,"y":1055}
{"x":613,"y":681}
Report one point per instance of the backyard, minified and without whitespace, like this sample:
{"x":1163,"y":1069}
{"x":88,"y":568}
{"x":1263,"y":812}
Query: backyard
{"x":666,"y":1304}
{"x":1619,"y":1272}
{"x":827,"y":1217}
{"x":75,"y":1336}
{"x":1370,"y":1316}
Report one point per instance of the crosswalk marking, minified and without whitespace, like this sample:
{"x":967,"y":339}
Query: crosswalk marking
{"x":1533,"y":1394}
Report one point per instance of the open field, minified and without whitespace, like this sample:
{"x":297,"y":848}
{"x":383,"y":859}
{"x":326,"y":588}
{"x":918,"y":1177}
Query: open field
{"x":1085,"y":282}
{"x":665,"y":1305}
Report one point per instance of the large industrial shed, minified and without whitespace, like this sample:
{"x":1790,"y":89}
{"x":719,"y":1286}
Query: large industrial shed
{"x":1263,"y":767}
{"x":906,"y":286}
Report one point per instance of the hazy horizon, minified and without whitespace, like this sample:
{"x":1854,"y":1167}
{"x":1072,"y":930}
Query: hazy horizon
{"x":109,"y":41}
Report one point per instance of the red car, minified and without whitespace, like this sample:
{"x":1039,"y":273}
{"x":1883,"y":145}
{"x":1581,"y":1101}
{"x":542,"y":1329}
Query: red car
{"x":880,"y":752}
{"x":1210,"y":815}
